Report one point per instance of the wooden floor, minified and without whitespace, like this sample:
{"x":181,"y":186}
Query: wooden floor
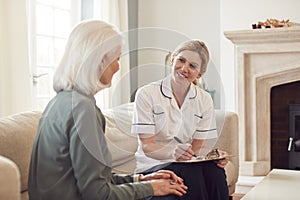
{"x":237,"y":196}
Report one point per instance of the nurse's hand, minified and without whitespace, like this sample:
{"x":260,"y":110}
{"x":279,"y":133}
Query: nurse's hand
{"x":183,"y":152}
{"x":222,"y":163}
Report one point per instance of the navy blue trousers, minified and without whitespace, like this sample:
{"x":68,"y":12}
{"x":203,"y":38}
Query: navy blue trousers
{"x":205,"y":180}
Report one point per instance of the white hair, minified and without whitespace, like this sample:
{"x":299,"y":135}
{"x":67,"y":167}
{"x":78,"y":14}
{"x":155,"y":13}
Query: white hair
{"x":82,"y":63}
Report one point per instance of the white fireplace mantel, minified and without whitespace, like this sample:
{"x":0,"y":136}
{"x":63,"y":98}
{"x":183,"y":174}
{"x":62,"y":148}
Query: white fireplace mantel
{"x":274,"y":35}
{"x":264,"y":58}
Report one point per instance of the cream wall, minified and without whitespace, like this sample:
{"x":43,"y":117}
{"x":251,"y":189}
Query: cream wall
{"x":207,"y":20}
{"x":189,"y":19}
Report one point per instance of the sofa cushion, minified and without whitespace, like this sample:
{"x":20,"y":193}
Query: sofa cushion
{"x":121,"y":143}
{"x":227,"y":125}
{"x":17,"y":133}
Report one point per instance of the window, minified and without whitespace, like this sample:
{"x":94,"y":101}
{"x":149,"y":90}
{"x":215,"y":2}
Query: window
{"x":50,"y":24}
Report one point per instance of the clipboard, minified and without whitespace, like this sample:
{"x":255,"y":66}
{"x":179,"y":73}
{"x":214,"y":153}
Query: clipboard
{"x":201,"y":160}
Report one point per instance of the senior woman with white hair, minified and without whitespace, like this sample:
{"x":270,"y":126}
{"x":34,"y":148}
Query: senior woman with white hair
{"x":70,"y":158}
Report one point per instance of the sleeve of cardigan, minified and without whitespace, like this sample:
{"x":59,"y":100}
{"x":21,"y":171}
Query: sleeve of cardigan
{"x":122,"y":178}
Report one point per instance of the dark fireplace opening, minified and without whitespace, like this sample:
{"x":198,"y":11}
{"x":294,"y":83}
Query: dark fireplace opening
{"x":294,"y":136}
{"x":282,"y":96}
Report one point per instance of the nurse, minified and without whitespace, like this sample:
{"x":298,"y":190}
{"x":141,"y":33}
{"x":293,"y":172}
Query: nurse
{"x":176,"y":107}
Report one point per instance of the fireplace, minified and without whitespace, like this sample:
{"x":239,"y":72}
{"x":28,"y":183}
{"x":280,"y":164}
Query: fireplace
{"x":264,"y":58}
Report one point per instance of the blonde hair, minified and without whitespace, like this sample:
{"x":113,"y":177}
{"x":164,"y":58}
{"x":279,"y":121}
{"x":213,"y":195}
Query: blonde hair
{"x":82,"y":63}
{"x":198,"y":47}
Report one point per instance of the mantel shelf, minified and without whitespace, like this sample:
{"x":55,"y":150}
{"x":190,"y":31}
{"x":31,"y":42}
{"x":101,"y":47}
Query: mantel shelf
{"x":270,"y":35}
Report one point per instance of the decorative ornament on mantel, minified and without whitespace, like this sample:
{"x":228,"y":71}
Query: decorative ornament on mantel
{"x":274,"y":23}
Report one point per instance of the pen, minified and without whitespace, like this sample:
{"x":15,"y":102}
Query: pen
{"x":179,"y":141}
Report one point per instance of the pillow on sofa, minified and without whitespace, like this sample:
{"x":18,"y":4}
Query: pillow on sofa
{"x":121,"y":143}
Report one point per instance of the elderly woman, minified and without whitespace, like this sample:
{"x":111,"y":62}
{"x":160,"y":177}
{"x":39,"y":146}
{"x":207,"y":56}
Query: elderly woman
{"x":70,"y":159}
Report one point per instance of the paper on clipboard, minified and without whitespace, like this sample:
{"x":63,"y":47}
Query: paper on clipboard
{"x":213,"y":155}
{"x":200,"y":160}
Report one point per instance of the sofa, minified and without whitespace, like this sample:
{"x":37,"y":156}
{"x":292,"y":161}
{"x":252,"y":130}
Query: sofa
{"x":17,"y":133}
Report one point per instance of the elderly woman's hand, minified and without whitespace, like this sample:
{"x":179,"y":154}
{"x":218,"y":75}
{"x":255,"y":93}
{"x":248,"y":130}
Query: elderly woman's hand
{"x":165,"y":182}
{"x":222,"y":163}
{"x":162,"y":187}
{"x":162,"y":174}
